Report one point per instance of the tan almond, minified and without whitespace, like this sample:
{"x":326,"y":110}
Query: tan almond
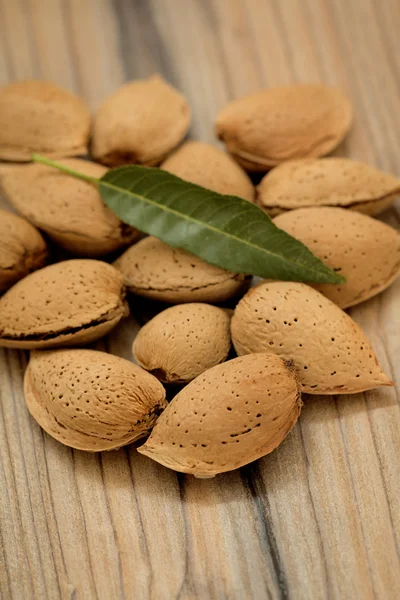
{"x":183,"y":341}
{"x":332,"y":355}
{"x":331,"y":181}
{"x":69,"y":210}
{"x":364,"y":250}
{"x":210,"y":167}
{"x":284,"y":123}
{"x":227,"y":417}
{"x":140,"y":123}
{"x":91,"y":400}
{"x":22,"y":249}
{"x":69,"y":303}
{"x":38,"y":116}
{"x":155,"y":270}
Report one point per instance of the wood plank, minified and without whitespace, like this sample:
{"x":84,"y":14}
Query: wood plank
{"x":318,"y":518}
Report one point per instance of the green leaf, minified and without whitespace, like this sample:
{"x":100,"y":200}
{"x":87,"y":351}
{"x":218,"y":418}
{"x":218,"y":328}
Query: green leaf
{"x":226,"y":231}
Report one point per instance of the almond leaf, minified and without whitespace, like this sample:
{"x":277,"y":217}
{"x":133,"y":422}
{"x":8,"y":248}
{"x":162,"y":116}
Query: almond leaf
{"x":226,"y":231}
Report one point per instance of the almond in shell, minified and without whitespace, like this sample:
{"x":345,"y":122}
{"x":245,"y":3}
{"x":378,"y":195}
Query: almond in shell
{"x":332,"y":355}
{"x":210,"y":167}
{"x":140,"y":123}
{"x":69,"y":210}
{"x":69,"y":303}
{"x":155,"y":270}
{"x":91,"y":400}
{"x":38,"y":116}
{"x":227,"y":417}
{"x":183,"y":341}
{"x":331,"y":181}
{"x":284,"y":123}
{"x":364,"y":250}
{"x":22,"y":249}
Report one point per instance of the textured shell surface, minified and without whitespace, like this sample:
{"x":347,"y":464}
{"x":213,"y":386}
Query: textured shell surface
{"x":332,"y":355}
{"x":68,"y":303}
{"x":284,"y":123}
{"x":331,"y":181}
{"x":38,"y":116}
{"x":210,"y":167}
{"x":364,"y":250}
{"x":229,"y":416}
{"x":141,"y":123}
{"x":153,"y":269}
{"x":91,"y":400}
{"x":69,"y":210}
{"x":22,"y":249}
{"x":183,"y":341}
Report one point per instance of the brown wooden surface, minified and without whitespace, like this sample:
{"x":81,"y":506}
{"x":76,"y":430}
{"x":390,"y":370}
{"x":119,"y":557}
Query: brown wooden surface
{"x":320,"y":517}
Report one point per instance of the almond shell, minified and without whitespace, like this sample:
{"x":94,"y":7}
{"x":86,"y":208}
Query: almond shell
{"x":183,"y":341}
{"x":22,"y":249}
{"x":332,"y":181}
{"x":68,"y":303}
{"x":91,"y":400}
{"x":362,"y":249}
{"x":331,"y":354}
{"x":227,"y":417}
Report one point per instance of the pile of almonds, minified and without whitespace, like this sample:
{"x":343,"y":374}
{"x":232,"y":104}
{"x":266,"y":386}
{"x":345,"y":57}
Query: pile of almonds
{"x":289,"y":337}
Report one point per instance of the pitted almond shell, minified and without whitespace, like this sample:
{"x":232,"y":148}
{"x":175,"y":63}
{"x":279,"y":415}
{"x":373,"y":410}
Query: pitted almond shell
{"x":22,"y":249}
{"x":364,"y":250}
{"x":227,"y":417}
{"x":284,"y":123}
{"x":91,"y":400}
{"x":210,"y":167}
{"x":155,"y":270}
{"x":332,"y":355}
{"x":38,"y":116}
{"x":331,"y":181}
{"x":140,"y":123}
{"x":69,"y":210}
{"x":69,"y":303}
{"x":183,"y":341}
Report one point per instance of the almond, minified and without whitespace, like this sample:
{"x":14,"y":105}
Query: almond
{"x":285,"y":123}
{"x":340,"y":182}
{"x":65,"y":304}
{"x":22,"y":249}
{"x":38,"y":116}
{"x":183,"y":341}
{"x":69,"y":210}
{"x":331,"y":353}
{"x":227,"y":417}
{"x":364,"y":250}
{"x":156,"y":270}
{"x":141,"y":122}
{"x":206,"y":165}
{"x":91,"y":400}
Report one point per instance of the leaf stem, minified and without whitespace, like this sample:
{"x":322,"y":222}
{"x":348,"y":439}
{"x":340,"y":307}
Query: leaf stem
{"x":51,"y":163}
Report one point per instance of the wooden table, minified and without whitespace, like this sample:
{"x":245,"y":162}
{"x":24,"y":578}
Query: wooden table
{"x":320,"y":517}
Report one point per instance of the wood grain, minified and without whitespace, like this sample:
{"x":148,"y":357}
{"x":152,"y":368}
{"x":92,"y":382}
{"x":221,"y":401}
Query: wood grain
{"x":320,"y":517}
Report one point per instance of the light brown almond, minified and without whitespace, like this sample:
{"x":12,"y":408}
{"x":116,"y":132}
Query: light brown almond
{"x":284,"y":123}
{"x":69,"y":210}
{"x":210,"y":167}
{"x":365,"y":251}
{"x":22,"y":249}
{"x":156,"y":270}
{"x":227,"y":417}
{"x":331,"y":181}
{"x":332,"y":355}
{"x":69,"y":303}
{"x":183,"y":341}
{"x":91,"y":400}
{"x":141,"y":123}
{"x":38,"y":116}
